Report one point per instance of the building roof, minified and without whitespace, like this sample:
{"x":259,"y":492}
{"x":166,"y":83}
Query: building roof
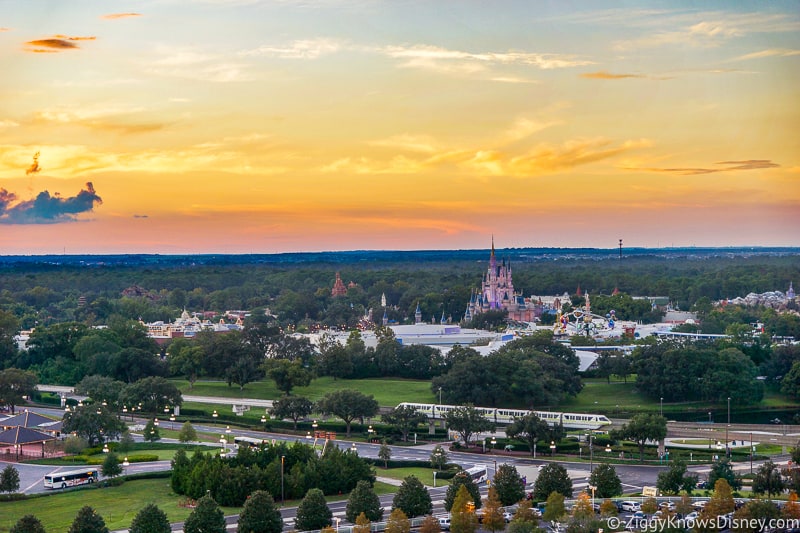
{"x":22,"y":435}
{"x":26,"y":419}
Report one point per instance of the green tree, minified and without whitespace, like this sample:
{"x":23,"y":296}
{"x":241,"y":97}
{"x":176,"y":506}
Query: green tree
{"x":74,"y":445}
{"x":459,"y":480}
{"x":15,"y":384}
{"x":605,"y":478}
{"x":508,"y":484}
{"x":530,"y":428}
{"x":260,"y":515}
{"x":313,"y":512}
{"x":125,"y":441}
{"x":150,"y":432}
{"x":364,"y":500}
{"x":101,"y":389}
{"x":152,"y":394}
{"x":462,"y":515}
{"x":385,"y":453}
{"x":768,"y":480}
{"x":9,"y":479}
{"x":287,"y":374}
{"x":554,"y":509}
{"x":493,"y":519}
{"x":293,"y":407}
{"x":111,"y":467}
{"x":94,"y":423}
{"x":552,"y":478}
{"x":413,"y":498}
{"x":722,"y":469}
{"x":206,"y":517}
{"x":405,"y":419}
{"x":438,"y":457}
{"x":348,"y":404}
{"x":641,"y":428}
{"x":676,"y":479}
{"x":466,"y":421}
{"x":88,"y":521}
{"x":150,"y":519}
{"x":27,"y":524}
{"x":185,"y":360}
{"x":398,"y":522}
{"x":187,"y":433}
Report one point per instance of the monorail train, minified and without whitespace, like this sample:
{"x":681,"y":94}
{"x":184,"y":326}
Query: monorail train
{"x":507,"y":416}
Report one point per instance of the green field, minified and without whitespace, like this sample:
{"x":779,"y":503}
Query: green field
{"x":616,"y":399}
{"x":117,"y":505}
{"x":425,"y":475}
{"x":388,"y":392}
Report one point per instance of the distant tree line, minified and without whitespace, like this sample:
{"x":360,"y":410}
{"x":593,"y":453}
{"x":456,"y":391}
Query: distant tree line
{"x":37,"y":294}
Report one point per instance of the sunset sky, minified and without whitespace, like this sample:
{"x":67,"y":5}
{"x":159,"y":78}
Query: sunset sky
{"x":247,"y":126}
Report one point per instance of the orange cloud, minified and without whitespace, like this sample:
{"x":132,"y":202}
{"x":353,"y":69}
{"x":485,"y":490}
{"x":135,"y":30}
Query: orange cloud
{"x":57,"y":43}
{"x":113,"y":16}
{"x":603,"y":75}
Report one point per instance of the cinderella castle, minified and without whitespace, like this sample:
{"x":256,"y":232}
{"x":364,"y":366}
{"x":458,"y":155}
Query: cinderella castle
{"x":497,"y":293}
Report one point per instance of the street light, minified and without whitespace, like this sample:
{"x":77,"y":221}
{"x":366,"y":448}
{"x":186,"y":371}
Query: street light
{"x":662,"y":407}
{"x":592,"y":488}
{"x":105,"y":448}
{"x":370,"y":431}
{"x":434,"y":479}
{"x":283,"y":497}
{"x":552,"y":448}
{"x":214,"y":414}
{"x":591,"y":454}
{"x":752,"y":452}
{"x":493,"y":441}
{"x":353,"y":448}
{"x":727,"y":450}
{"x":263,"y":419}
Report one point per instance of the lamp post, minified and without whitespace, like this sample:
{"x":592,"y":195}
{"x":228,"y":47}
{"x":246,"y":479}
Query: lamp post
{"x":105,"y":448}
{"x":224,"y":443}
{"x":552,"y":448}
{"x":592,"y":488}
{"x":355,"y":450}
{"x":752,"y":452}
{"x":434,"y":479}
{"x":591,"y":454}
{"x":214,"y":414}
{"x":534,"y":450}
{"x":727,"y":449}
{"x":493,"y":441}
{"x":172,"y":422}
{"x":283,"y":497}
{"x":370,"y":431}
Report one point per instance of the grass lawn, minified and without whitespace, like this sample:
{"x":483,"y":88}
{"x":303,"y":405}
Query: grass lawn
{"x":388,"y":392}
{"x":425,"y":475}
{"x":117,"y":505}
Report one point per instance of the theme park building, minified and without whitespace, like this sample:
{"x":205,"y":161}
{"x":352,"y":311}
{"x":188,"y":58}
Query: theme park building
{"x":497,"y":293}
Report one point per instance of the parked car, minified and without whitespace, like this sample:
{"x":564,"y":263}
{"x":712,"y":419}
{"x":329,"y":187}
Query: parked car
{"x":508,"y":516}
{"x":667,"y":506}
{"x":630,"y":506}
{"x":444,"y":523}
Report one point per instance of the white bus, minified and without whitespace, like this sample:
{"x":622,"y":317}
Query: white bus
{"x":478,"y":474}
{"x":70,"y":478}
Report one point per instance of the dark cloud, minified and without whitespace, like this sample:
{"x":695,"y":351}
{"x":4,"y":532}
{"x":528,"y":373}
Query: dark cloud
{"x":57,"y":43}
{"x":34,"y":168}
{"x":749,"y":164}
{"x":47,"y":209}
